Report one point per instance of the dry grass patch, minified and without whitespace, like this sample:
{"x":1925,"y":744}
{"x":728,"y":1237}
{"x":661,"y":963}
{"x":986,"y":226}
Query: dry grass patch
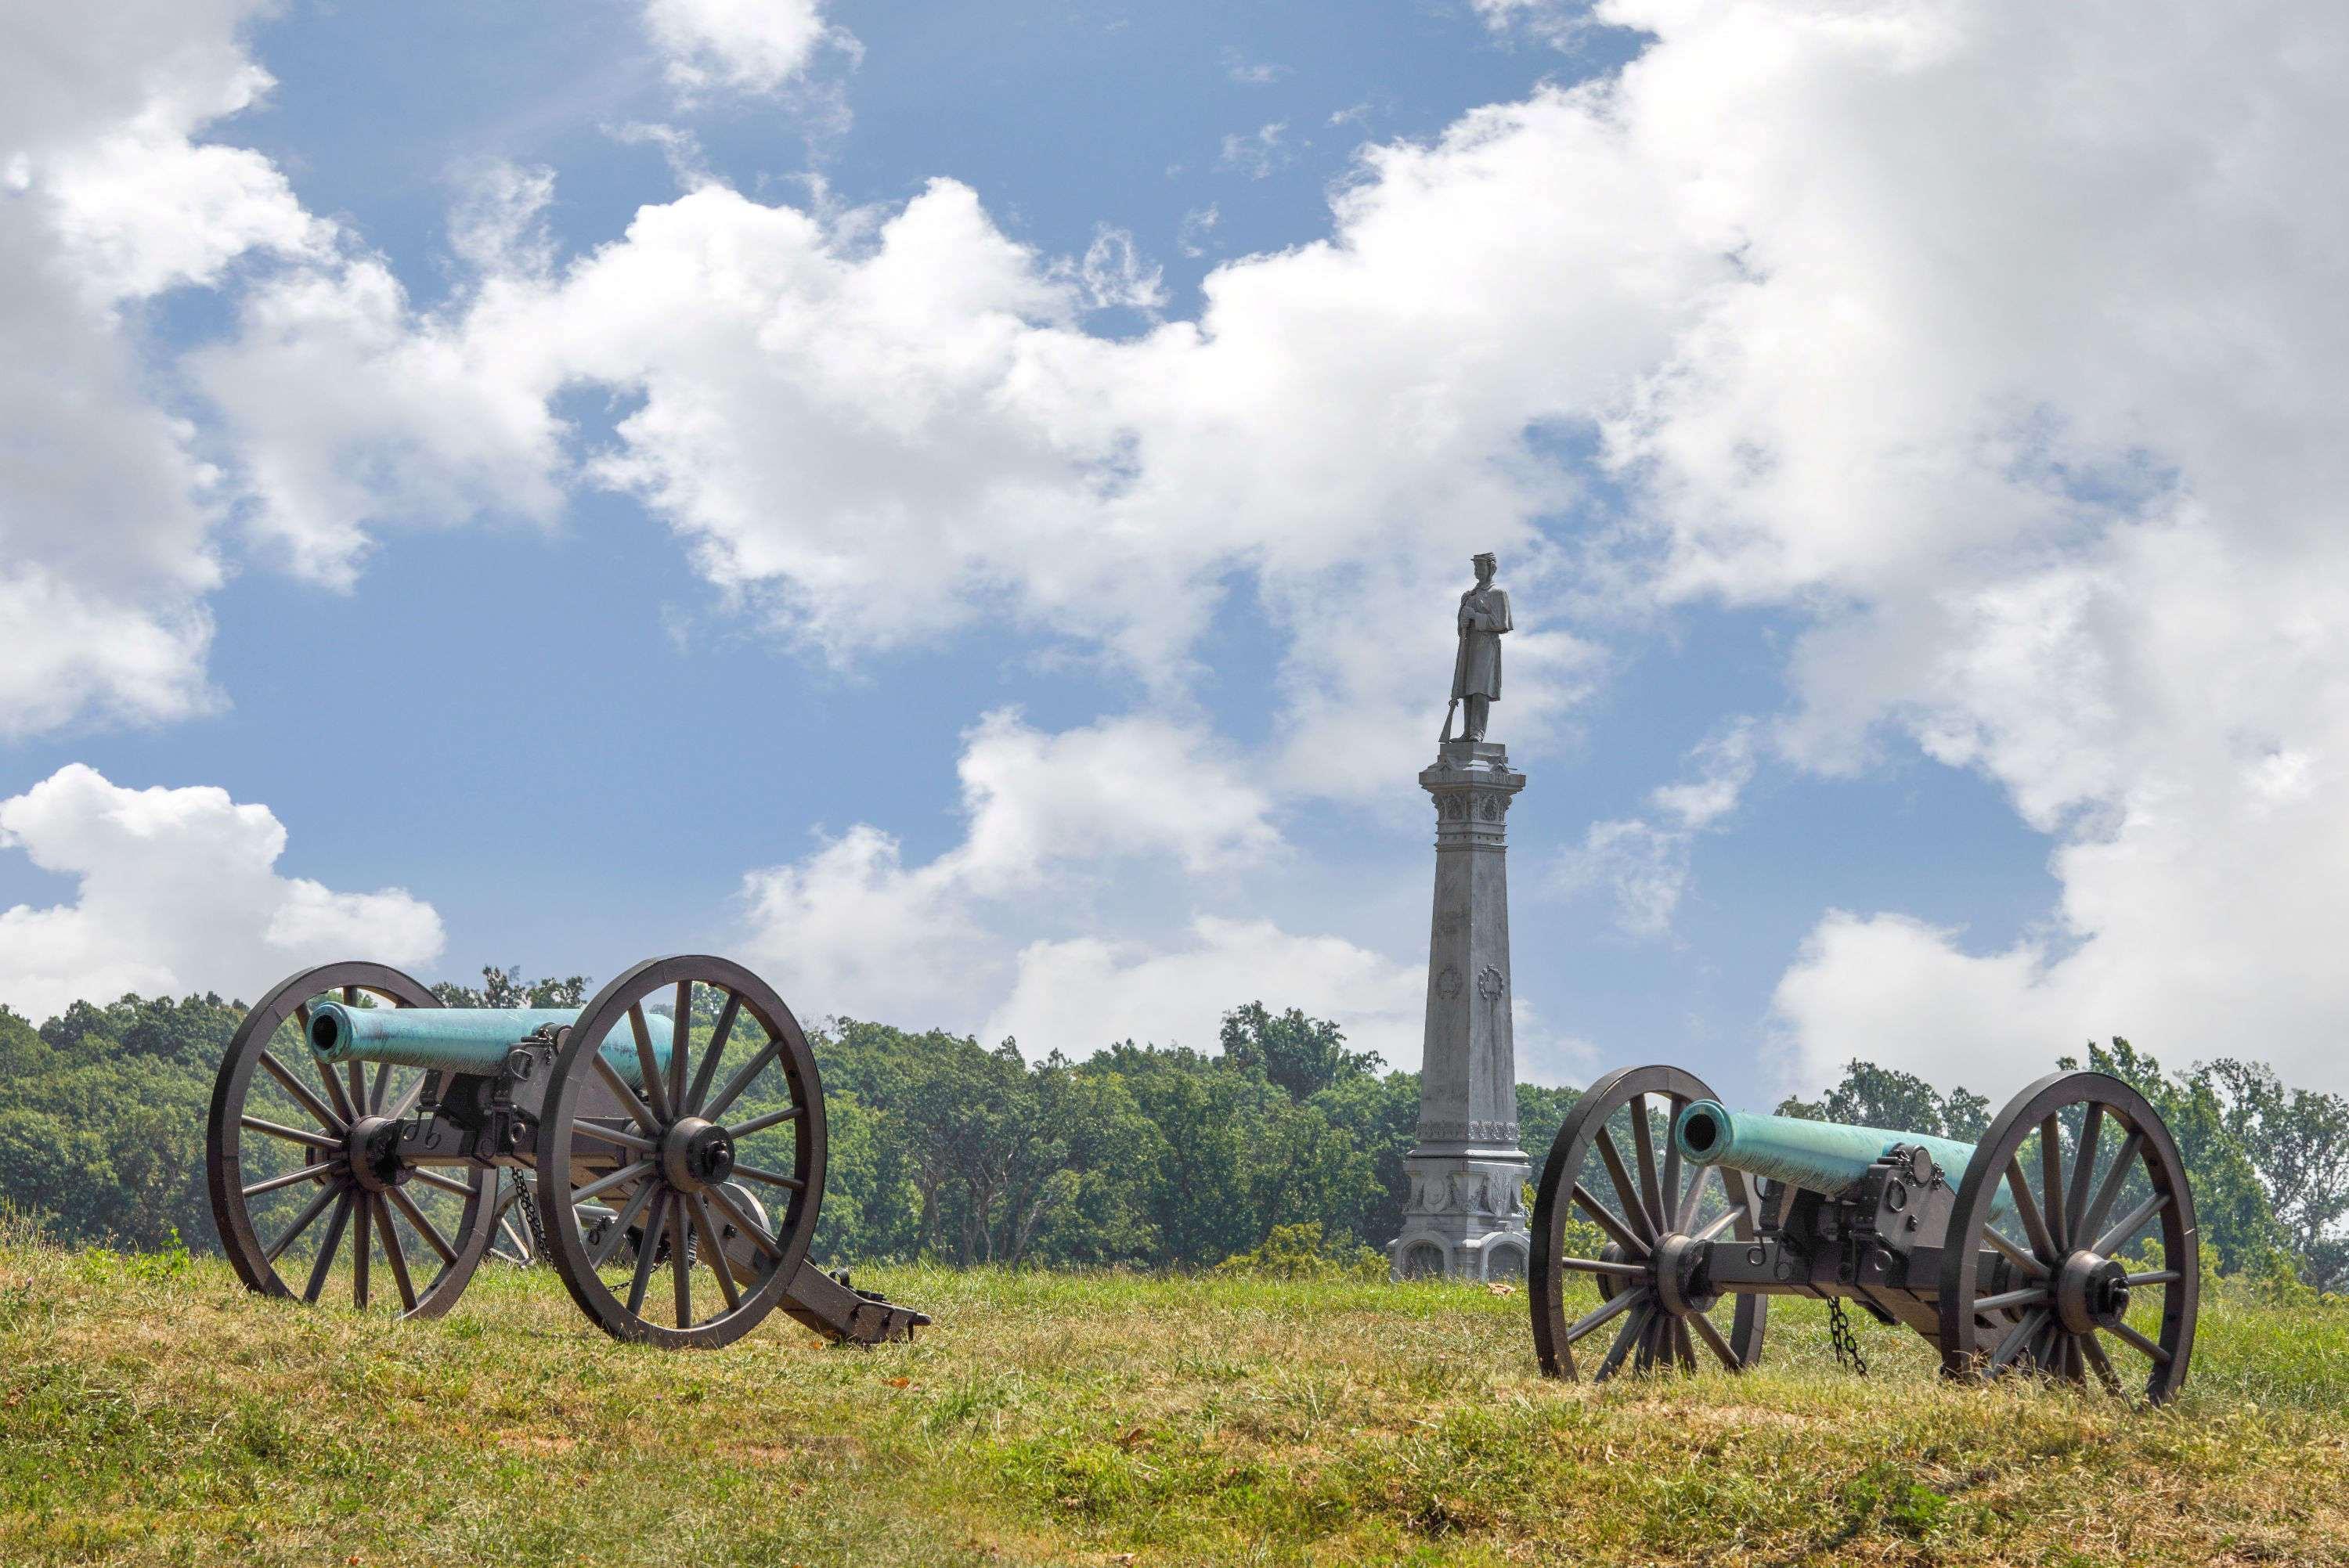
{"x":1103,"y":1418}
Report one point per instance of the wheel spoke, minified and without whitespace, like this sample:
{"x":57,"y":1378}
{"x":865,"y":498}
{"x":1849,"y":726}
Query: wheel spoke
{"x":603,"y":1131}
{"x":362,"y":1254}
{"x":761,"y":1124}
{"x":752,"y":1173}
{"x":606,"y":1183}
{"x":355,"y":1081}
{"x":301,"y":1092}
{"x":2083,"y":1167}
{"x":1711,"y":1336}
{"x":2020,"y":1335}
{"x":680,"y":1045}
{"x":1668,"y":1184}
{"x":751,"y":1069}
{"x":718,"y":1038}
{"x":302,"y":1223}
{"x":2014,"y":1253}
{"x":630,"y":1211}
{"x":744,"y":1223}
{"x":2126,"y":1227}
{"x":1644,"y":1147}
{"x":2094,"y":1353}
{"x":2035,"y":1295}
{"x":423,"y":1224}
{"x":434,"y":1180}
{"x":1686,"y":1215}
{"x":2132,"y":1337}
{"x":1604,"y":1267}
{"x":1621,"y":1301}
{"x":1719,"y":1224}
{"x":1635,"y":1327}
{"x":2092,"y":1220}
{"x":327,"y":1251}
{"x":292,"y":1134}
{"x":648,"y":1252}
{"x":307,"y":1174}
{"x":2041,"y":1244}
{"x":630,"y":1101}
{"x":1626,"y":1192}
{"x":655,"y":1090}
{"x":395,"y":1254}
{"x":1681,"y":1343}
{"x":382,"y":1086}
{"x":719,"y":1265}
{"x":2153,"y":1276}
{"x":680,"y":1257}
{"x":1624,"y":1236}
{"x":407,"y":1099}
{"x":2051,"y":1183}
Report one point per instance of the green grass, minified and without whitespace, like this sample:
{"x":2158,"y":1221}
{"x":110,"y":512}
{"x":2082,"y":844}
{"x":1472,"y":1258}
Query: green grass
{"x":156,"y":1413}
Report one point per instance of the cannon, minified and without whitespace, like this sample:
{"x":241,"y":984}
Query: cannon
{"x":2063,"y":1245}
{"x":673,"y":1126}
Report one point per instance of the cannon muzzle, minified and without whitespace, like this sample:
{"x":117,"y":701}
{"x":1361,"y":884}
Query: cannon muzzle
{"x":461,"y":1039}
{"x":1823,"y":1156}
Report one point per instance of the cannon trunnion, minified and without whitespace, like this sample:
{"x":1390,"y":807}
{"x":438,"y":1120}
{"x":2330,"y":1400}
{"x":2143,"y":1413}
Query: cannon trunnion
{"x":2062,"y":1244}
{"x":666,"y":1144}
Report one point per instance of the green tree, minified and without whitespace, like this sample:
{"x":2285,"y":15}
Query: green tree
{"x":1303,"y":1055}
{"x":2239,"y":1228}
{"x":2298,"y":1141}
{"x":1887,"y":1098}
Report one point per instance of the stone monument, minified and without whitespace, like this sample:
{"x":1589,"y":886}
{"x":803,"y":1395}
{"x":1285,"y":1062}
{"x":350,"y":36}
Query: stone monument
{"x":1465,"y":1216}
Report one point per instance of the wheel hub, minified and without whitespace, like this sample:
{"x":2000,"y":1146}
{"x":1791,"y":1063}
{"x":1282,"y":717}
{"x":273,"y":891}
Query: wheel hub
{"x":697,"y":1154}
{"x":373,"y":1151}
{"x":1676,"y":1262}
{"x":2091,"y":1292}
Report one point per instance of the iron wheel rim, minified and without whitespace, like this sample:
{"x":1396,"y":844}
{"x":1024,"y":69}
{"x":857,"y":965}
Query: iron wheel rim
{"x":2037,"y":1336}
{"x":561,"y":1134}
{"x":370,"y":1218}
{"x":1641,"y":1215}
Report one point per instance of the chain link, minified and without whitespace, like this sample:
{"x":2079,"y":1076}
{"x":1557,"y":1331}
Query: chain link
{"x":529,"y":1208}
{"x":1846,"y":1343}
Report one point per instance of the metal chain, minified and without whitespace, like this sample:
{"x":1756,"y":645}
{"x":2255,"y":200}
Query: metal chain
{"x":529,"y":1207}
{"x":1847,"y":1343}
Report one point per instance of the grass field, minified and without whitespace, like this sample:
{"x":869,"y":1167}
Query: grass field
{"x":154,"y":1414}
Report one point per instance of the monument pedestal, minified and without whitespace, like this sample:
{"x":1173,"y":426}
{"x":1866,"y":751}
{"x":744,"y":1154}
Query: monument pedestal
{"x":1465,"y":1216}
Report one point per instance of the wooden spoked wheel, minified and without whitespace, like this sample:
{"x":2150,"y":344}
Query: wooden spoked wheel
{"x":2097,"y":1267}
{"x":303,"y":1168}
{"x":1617,"y":1236}
{"x":735,"y":1102}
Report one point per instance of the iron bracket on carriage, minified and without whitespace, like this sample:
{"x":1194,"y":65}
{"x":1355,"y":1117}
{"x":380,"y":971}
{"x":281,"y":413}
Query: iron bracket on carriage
{"x":634,"y":1143}
{"x":2028,"y":1252}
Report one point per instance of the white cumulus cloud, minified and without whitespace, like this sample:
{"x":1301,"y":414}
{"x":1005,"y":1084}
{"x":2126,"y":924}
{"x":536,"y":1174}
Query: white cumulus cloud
{"x":979,"y":938}
{"x":746,"y":46}
{"x":107,"y":515}
{"x":177,"y":891}
{"x":1081,"y":994}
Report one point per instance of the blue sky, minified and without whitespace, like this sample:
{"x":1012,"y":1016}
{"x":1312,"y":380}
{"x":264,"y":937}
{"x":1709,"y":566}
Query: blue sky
{"x":1060,"y":663}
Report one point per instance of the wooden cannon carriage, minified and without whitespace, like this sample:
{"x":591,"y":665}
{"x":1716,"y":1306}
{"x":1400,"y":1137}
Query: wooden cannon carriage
{"x":2028,"y":1252}
{"x":349,"y":1095}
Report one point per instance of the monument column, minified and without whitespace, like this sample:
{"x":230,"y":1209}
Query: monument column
{"x":1466,"y":1215}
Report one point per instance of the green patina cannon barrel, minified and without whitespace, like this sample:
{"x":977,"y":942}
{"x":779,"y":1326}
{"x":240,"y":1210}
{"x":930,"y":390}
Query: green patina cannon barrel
{"x":463,"y":1039}
{"x":1821,"y":1156}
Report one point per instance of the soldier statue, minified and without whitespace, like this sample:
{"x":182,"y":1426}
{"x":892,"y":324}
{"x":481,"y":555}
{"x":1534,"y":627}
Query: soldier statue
{"x":1476,"y":670}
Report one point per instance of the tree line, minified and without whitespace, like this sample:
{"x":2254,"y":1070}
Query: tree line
{"x":1142,"y":1155}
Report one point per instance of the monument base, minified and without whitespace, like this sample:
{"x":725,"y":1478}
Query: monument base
{"x":1465,"y":1218}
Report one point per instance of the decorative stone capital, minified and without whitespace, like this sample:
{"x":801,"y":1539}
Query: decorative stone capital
{"x":1472,"y":786}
